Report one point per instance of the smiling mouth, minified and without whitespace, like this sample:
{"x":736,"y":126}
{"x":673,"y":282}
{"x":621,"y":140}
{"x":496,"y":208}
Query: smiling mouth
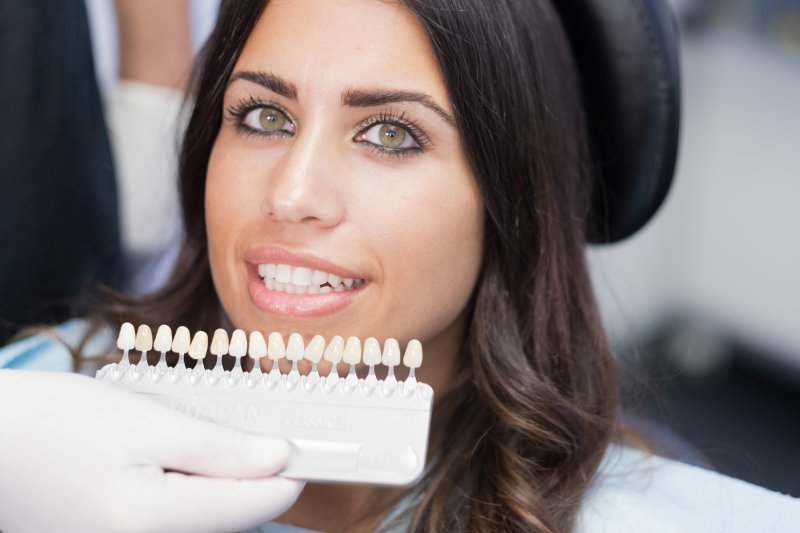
{"x":290,"y":279}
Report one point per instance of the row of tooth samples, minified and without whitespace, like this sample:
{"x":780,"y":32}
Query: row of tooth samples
{"x":274,"y":348}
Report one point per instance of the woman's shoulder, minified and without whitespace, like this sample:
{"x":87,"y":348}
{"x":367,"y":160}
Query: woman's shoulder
{"x":49,"y":349}
{"x":635,"y":491}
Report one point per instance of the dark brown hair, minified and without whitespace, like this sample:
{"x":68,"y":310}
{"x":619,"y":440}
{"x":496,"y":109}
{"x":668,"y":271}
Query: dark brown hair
{"x":522,"y":435}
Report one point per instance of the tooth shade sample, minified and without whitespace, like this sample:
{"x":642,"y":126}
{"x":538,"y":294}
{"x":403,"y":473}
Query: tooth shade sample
{"x":352,"y":351}
{"x":413,"y":356}
{"x":318,"y":277}
{"x":238,"y":344}
{"x":181,"y":340}
{"x":294,"y":349}
{"x":144,"y":338}
{"x":301,"y":276}
{"x":315,"y":348}
{"x":391,"y":353}
{"x":276,"y":349}
{"x":372,"y":351}
{"x":283,"y":273}
{"x":258,"y":346}
{"x":199,"y":346}
{"x":219,"y":342}
{"x":163,"y":341}
{"x":127,"y":337}
{"x":335,"y":350}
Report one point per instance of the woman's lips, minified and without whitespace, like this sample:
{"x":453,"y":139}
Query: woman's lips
{"x":311,"y":298}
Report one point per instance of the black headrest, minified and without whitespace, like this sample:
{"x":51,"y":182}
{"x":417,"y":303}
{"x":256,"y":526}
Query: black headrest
{"x":627,"y":55}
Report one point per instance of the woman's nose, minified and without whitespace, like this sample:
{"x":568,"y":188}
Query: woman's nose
{"x":303,"y":187}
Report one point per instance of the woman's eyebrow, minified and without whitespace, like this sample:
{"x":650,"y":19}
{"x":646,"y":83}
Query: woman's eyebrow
{"x":359,"y":98}
{"x":267,"y":80}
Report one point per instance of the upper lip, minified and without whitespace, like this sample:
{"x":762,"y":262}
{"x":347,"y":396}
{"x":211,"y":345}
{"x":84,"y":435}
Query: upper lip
{"x":265,"y":254}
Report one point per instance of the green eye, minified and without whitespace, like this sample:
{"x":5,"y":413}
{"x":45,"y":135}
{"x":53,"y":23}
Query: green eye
{"x":392,"y":136}
{"x":271,"y":119}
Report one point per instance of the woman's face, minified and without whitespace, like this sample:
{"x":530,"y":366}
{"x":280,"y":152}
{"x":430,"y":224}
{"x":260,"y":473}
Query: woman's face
{"x":338,"y":162}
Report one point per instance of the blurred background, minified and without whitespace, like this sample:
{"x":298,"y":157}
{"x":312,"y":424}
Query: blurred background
{"x":703,"y":304}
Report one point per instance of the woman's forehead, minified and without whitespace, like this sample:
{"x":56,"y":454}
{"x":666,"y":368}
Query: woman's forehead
{"x":331,"y":46}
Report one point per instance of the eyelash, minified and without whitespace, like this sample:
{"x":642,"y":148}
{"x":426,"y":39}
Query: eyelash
{"x":239,"y":111}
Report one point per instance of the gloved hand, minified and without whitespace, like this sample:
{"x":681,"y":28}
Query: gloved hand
{"x":78,"y":455}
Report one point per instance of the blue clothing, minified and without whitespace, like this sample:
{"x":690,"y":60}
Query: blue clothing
{"x":633,"y":491}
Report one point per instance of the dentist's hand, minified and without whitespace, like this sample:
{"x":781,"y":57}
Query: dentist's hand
{"x":79,"y":455}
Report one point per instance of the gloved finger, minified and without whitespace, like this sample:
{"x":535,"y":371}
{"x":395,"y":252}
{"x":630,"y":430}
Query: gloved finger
{"x":199,"y":447}
{"x":196,"y":503}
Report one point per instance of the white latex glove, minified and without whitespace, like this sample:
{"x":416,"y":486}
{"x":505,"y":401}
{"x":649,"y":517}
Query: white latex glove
{"x":79,"y":455}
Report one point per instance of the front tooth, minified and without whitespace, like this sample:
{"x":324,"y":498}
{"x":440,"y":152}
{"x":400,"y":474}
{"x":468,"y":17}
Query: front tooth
{"x":283,"y":273}
{"x":238,"y":345}
{"x":262,"y":271}
{"x":163,"y":340}
{"x":301,"y":276}
{"x":294,"y":349}
{"x":219,"y":342}
{"x":269,"y":283}
{"x":275,"y":347}
{"x":279,"y":286}
{"x":290,"y":288}
{"x":413,"y":356}
{"x":269,"y":271}
{"x":127,"y":337}
{"x":144,"y":339}
{"x":319,"y":277}
{"x":348,"y":282}
{"x":333,"y":352}
{"x":391,"y":353}
{"x":313,"y":289}
{"x":352,"y":351}
{"x":181,"y":340}
{"x":325,"y":290}
{"x":372,"y":351}
{"x":334,"y":280}
{"x":257,"y":347}
{"x":314,"y":349}
{"x":199,"y":346}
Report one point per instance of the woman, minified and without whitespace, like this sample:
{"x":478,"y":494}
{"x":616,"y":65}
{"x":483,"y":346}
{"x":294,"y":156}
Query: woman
{"x":393,"y":157}
{"x":435,"y":154}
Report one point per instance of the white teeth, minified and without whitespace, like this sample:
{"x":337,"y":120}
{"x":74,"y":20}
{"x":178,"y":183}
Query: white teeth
{"x":303,"y":280}
{"x":335,"y":350}
{"x":294,"y":349}
{"x":319,"y":277}
{"x":372,"y":352}
{"x":391,"y":353}
{"x":301,"y":276}
{"x":199,"y":346}
{"x":413,"y":356}
{"x":283,"y":273}
{"x":163,"y":340}
{"x":181,"y":340}
{"x":238,"y":345}
{"x":257,"y":347}
{"x":219,"y":342}
{"x":352,"y":351}
{"x":275,"y":348}
{"x":314,"y":349}
{"x":127,"y":337}
{"x":144,"y":339}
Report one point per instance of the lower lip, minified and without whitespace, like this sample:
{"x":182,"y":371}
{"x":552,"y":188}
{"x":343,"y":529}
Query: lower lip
{"x":296,"y":305}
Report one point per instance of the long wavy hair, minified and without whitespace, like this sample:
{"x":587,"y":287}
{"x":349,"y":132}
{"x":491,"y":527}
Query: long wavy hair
{"x":522,"y":435}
